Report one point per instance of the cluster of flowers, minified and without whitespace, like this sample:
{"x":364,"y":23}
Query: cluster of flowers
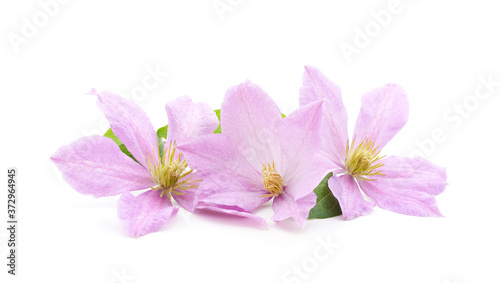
{"x":257,"y":156}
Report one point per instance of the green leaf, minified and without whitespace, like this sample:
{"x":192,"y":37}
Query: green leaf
{"x":161,"y":135}
{"x":217,"y":112}
{"x":283,"y":115}
{"x":162,"y":132}
{"x":327,"y":205}
{"x":124,"y":149}
{"x":109,"y":134}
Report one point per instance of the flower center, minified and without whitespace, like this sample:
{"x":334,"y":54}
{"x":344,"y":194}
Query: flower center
{"x":170,"y":172}
{"x":273,"y":183}
{"x":362,"y":162}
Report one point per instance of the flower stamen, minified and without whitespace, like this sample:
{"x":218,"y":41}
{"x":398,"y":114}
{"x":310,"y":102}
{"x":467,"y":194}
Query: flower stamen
{"x":273,"y":182}
{"x":169,"y":173}
{"x":363,"y":161}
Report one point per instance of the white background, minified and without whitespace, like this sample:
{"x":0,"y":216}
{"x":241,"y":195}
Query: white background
{"x":436,"y":50}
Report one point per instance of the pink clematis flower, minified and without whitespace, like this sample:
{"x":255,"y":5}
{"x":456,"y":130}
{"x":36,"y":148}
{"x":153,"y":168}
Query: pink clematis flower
{"x":260,"y":156}
{"x":399,"y":184}
{"x":95,"y":165}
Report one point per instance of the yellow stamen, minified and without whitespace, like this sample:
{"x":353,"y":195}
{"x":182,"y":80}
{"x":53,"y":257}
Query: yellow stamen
{"x":273,"y":182}
{"x":169,"y":173}
{"x":363,"y":162}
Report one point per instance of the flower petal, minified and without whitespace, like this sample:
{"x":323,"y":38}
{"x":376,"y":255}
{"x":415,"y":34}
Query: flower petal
{"x":130,"y":124}
{"x":351,"y":201}
{"x":400,"y":200}
{"x":384,"y":111}
{"x":229,"y":190}
{"x":285,"y":206}
{"x":316,"y":86}
{"x":248,"y":117}
{"x":94,"y":165}
{"x":145,"y":213}
{"x":228,"y":179}
{"x":187,"y":120}
{"x":232,"y":210}
{"x":187,"y":198}
{"x":302,"y":165}
{"x":417,"y":174}
{"x":216,"y":153}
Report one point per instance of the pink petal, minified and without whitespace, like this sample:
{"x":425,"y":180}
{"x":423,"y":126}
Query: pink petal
{"x":334,"y":136}
{"x":130,"y":124}
{"x":188,"y":197}
{"x":285,"y":206}
{"x":248,"y":117}
{"x":228,"y":179}
{"x":351,"y":201}
{"x":211,"y":154}
{"x":316,"y":86}
{"x":231,"y":190}
{"x":95,"y":165}
{"x":417,"y":174}
{"x":234,"y":210}
{"x":187,"y":120}
{"x":384,"y":111}
{"x":302,"y":165}
{"x":401,"y":200}
{"x":145,"y":213}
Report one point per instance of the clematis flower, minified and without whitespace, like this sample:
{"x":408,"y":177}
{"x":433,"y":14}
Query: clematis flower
{"x":399,"y":184}
{"x":260,"y":156}
{"x":94,"y":165}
